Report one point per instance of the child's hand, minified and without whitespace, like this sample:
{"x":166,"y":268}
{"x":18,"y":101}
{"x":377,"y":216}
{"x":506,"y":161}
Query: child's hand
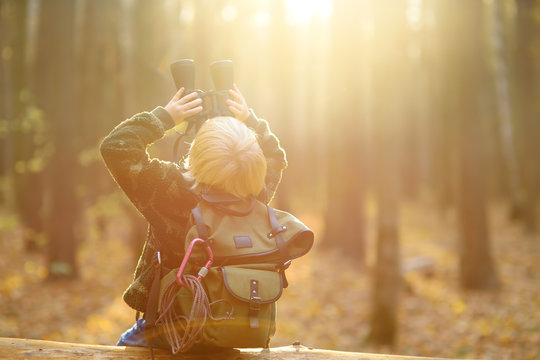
{"x":238,"y":105}
{"x":181,"y":108}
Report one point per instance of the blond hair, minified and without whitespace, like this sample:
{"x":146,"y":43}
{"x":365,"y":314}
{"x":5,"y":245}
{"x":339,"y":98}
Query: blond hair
{"x":226,"y":155}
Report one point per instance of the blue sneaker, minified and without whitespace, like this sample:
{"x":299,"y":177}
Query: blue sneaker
{"x":133,"y":336}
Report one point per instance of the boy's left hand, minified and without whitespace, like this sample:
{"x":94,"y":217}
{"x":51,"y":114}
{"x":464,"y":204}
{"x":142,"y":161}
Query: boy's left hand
{"x":238,"y":105}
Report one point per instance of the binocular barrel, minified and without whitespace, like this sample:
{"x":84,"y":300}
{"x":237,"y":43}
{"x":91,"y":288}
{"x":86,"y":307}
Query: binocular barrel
{"x":222,"y":74}
{"x":183,"y":72}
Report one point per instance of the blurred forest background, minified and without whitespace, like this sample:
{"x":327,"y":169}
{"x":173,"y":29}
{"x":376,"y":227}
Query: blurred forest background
{"x":412,"y":129}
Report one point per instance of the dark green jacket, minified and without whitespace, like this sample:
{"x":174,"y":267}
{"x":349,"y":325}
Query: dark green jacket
{"x":161,"y":193}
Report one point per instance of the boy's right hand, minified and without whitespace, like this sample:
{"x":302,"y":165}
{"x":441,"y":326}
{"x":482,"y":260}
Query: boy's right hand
{"x":237,"y":104}
{"x":181,"y":107}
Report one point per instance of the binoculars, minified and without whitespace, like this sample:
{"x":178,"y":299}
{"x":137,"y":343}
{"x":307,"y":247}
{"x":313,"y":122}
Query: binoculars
{"x":213,"y":101}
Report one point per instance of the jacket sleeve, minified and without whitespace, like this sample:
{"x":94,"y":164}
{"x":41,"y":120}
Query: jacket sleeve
{"x":276,"y":160}
{"x":157,"y":188}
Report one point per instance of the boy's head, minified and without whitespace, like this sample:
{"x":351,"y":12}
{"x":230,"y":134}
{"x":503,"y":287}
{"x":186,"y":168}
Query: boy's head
{"x":226,"y":155}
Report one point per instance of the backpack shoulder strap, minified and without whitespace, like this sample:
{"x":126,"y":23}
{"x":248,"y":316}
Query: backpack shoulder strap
{"x":276,"y":232}
{"x":230,"y":211}
{"x":228,"y":203}
{"x":199,"y":222}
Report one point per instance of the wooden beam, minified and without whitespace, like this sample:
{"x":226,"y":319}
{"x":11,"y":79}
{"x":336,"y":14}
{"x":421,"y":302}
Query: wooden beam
{"x":19,"y":349}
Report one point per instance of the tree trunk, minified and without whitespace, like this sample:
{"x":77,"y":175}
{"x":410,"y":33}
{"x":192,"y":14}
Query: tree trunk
{"x":283,"y":117}
{"x":386,"y":280}
{"x":24,"y":152}
{"x":7,"y":34}
{"x":101,"y":95}
{"x":151,"y":87}
{"x":527,"y":76}
{"x":345,"y":218}
{"x":477,"y":269}
{"x":146,"y":84}
{"x":505,"y":113}
{"x":390,"y":67}
{"x":12,"y":70}
{"x":56,"y":89}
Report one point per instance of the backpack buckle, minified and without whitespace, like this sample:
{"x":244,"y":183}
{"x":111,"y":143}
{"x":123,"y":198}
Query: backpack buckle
{"x":204,"y":269}
{"x":285,"y":265}
{"x":276,"y":231}
{"x":255,"y":303}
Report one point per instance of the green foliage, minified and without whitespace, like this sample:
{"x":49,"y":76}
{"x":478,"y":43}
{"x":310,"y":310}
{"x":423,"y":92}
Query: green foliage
{"x":60,"y":268}
{"x":107,"y":206}
{"x":32,"y":121}
{"x":6,"y":188}
{"x":32,"y":131}
{"x":89,"y":156}
{"x":8,"y":222}
{"x":4,"y":128}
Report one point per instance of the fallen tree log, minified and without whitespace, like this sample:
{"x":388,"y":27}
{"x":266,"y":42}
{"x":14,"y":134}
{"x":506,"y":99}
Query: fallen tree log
{"x":18,"y":349}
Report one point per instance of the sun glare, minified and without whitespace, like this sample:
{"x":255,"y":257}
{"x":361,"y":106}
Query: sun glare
{"x":261,"y":18}
{"x":414,"y":14}
{"x":228,"y":13}
{"x":187,"y":13}
{"x":301,"y":12}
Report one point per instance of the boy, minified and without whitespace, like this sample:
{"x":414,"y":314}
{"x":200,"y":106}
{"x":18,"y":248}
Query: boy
{"x":237,"y":156}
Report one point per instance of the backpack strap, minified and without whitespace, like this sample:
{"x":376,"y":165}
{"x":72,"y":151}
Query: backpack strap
{"x":199,"y":222}
{"x":254,"y":304}
{"x":224,"y":202}
{"x":230,"y":211}
{"x":219,"y":204}
{"x":152,"y":303}
{"x":151,"y":313}
{"x":276,"y":233}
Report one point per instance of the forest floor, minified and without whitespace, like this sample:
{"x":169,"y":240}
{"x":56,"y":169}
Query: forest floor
{"x":327,"y":304}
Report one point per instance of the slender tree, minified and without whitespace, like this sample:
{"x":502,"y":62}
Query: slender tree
{"x":477,"y":268}
{"x":146,"y":84}
{"x":101,"y":98}
{"x":55,"y":78}
{"x":505,"y":112}
{"x":443,"y":125}
{"x":7,"y":33}
{"x":345,"y":218}
{"x":283,"y":68}
{"x":386,"y":278}
{"x":146,"y":53}
{"x":25,"y":140}
{"x":388,"y":106}
{"x":527,"y":30}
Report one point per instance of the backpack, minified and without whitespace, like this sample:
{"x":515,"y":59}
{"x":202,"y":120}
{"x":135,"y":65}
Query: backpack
{"x":225,"y":291}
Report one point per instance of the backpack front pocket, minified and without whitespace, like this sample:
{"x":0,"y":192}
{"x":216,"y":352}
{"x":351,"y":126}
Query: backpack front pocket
{"x":251,"y":291}
{"x":248,"y":284}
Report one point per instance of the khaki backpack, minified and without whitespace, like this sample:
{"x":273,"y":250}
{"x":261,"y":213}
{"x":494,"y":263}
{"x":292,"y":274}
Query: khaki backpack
{"x":224,"y":294}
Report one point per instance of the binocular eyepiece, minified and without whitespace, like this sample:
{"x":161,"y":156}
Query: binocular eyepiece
{"x":213,"y":101}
